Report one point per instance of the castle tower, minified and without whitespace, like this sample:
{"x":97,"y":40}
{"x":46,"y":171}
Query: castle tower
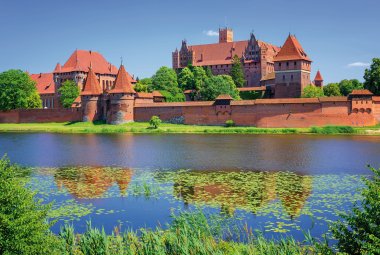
{"x":122,"y":98}
{"x":90,"y":97}
{"x":292,"y":69}
{"x":226,"y":35}
{"x":318,"y":80}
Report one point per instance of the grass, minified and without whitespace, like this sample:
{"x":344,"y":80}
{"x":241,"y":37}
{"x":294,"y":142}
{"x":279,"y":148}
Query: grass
{"x":143,"y":127}
{"x":189,"y":233}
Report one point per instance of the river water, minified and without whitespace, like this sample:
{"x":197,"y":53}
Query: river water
{"x":277,"y":184}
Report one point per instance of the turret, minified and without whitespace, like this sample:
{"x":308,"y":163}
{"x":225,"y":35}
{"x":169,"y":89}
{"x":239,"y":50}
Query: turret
{"x":90,"y":97}
{"x":226,"y":35}
{"x":122,"y":98}
{"x":318,"y":80}
{"x":292,"y":67}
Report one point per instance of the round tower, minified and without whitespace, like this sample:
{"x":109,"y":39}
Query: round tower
{"x":90,"y":96}
{"x":122,"y":99}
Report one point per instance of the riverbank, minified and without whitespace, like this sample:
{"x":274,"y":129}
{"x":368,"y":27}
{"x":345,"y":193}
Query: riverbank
{"x":143,"y":128}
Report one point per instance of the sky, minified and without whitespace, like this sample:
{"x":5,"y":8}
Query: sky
{"x":340,"y":36}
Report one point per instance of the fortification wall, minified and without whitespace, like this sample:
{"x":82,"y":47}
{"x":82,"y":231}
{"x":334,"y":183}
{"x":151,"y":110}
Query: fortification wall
{"x":260,"y":113}
{"x":376,"y":108}
{"x":40,"y":115}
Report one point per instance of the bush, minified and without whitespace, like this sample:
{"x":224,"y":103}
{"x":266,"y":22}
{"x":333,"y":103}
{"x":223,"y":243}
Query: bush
{"x":360,"y":233}
{"x":23,"y":225}
{"x":155,"y":122}
{"x":230,"y":123}
{"x":333,"y":130}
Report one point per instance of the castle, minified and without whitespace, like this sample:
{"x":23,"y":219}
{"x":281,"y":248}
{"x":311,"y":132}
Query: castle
{"x":282,"y":71}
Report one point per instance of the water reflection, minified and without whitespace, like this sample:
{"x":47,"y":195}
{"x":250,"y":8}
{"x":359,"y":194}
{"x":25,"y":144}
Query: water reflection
{"x":250,"y":191}
{"x":92,"y":182}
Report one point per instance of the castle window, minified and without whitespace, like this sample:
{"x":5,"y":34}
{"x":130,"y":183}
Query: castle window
{"x":283,"y":77}
{"x":295,"y":63}
{"x":287,"y":63}
{"x":279,"y":64}
{"x":291,"y":77}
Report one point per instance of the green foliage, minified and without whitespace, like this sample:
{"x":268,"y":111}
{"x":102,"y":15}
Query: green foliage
{"x":347,"y":86}
{"x":250,"y":95}
{"x":200,"y":76}
{"x":360,"y":233}
{"x":333,"y":130}
{"x":94,"y":242}
{"x":217,"y":85}
{"x":169,"y":97}
{"x":144,"y":85}
{"x":237,"y":72}
{"x":165,"y":79}
{"x":18,"y":91}
{"x":331,"y":89}
{"x":372,"y":77}
{"x":154,"y":122}
{"x":208,"y":71}
{"x":23,"y":226}
{"x":186,"y":79}
{"x":312,"y":91}
{"x":230,"y":123}
{"x":69,"y":92}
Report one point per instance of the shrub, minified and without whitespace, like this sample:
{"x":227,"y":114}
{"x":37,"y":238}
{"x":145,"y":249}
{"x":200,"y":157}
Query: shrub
{"x":360,"y":233}
{"x":23,"y":226}
{"x":155,"y":122}
{"x":333,"y":130}
{"x":230,"y":123}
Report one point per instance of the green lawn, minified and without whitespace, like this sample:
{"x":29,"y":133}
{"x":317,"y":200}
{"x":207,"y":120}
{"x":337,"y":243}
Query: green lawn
{"x":143,"y":127}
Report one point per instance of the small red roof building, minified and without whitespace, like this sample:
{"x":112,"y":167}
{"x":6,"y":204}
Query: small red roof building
{"x":44,"y":83}
{"x":361,"y":92}
{"x":318,"y":76}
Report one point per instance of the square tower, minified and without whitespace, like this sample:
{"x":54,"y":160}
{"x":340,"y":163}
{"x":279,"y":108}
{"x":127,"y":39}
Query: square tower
{"x":226,"y":35}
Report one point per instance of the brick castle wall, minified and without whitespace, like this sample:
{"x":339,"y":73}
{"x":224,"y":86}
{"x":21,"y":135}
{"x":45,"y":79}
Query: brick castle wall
{"x":40,"y":115}
{"x":261,"y":114}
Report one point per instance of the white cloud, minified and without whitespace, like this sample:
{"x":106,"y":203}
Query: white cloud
{"x":211,"y":33}
{"x":358,"y":64}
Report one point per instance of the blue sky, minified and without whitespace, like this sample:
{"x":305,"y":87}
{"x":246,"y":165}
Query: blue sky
{"x":341,"y":37}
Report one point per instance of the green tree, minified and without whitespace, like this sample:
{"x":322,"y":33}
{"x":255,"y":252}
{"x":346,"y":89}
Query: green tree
{"x":208,"y":71}
{"x":372,"y":77}
{"x":347,"y":86}
{"x":217,"y":85}
{"x":154,"y":122}
{"x":237,"y":72}
{"x":331,"y":89}
{"x":200,"y":76}
{"x":23,"y":225}
{"x":360,"y":232}
{"x":165,"y":79}
{"x":147,"y":82}
{"x":139,"y":87}
{"x":18,"y":91}
{"x":312,"y":91}
{"x":69,"y":92}
{"x":186,"y":79}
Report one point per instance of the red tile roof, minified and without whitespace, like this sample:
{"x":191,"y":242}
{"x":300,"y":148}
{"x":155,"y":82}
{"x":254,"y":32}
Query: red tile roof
{"x":176,"y":104}
{"x":261,"y":88}
{"x":376,"y":98}
{"x":224,"y":97}
{"x":122,"y":83}
{"x":157,"y":93}
{"x":144,"y":95}
{"x":318,"y":76}
{"x":91,"y":86}
{"x":269,"y":76}
{"x":222,"y":53}
{"x":361,"y":92}
{"x":291,"y":50}
{"x":333,"y":99}
{"x":287,"y":101}
{"x":44,"y":83}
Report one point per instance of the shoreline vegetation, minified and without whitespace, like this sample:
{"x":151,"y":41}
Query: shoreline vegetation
{"x":190,"y":232}
{"x":166,"y":128}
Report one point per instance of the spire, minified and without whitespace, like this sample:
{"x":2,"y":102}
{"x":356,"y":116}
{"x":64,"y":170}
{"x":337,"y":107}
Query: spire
{"x":291,"y":50}
{"x":318,"y":76}
{"x":92,"y":86}
{"x":122,"y":83}
{"x":57,"y":68}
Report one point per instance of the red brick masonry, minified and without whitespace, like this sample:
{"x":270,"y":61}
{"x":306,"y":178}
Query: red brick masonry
{"x":294,"y":112}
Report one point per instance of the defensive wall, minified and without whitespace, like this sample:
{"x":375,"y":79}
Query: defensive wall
{"x":291,"y":112}
{"x":40,"y":115}
{"x":295,"y":112}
